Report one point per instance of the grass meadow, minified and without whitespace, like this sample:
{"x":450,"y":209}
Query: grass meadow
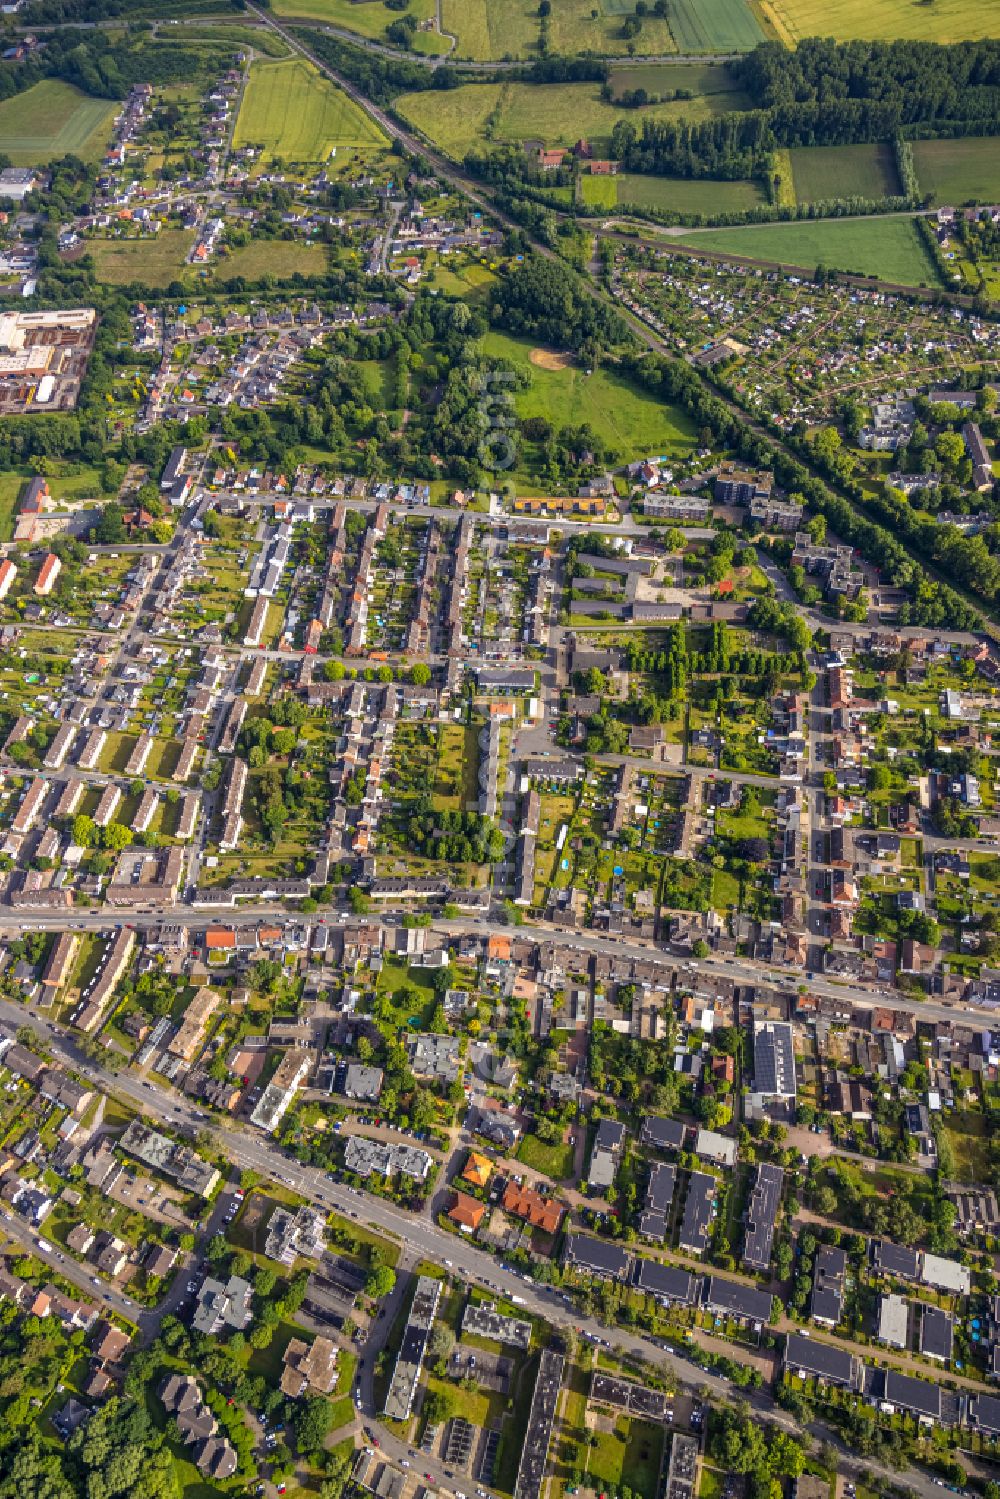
{"x":686,"y":194}
{"x":51,"y":119}
{"x":959,"y":171}
{"x":556,"y":113}
{"x":368,"y":19}
{"x":622,"y":415}
{"x":820,"y":172}
{"x":153,"y":262}
{"x":888,"y":248}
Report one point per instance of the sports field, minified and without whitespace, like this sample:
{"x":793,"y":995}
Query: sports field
{"x":715,"y":26}
{"x":884,"y":20}
{"x":622,"y":416}
{"x":51,"y":119}
{"x":686,"y":194}
{"x":959,"y":171}
{"x":888,"y":248}
{"x":290,"y":111}
{"x":556,"y":113}
{"x":823,"y":172}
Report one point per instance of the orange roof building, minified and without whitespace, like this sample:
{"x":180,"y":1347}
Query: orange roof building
{"x":50,"y":570}
{"x":541,"y":1212}
{"x":478,"y":1169}
{"x":498,"y":946}
{"x":466,"y":1212}
{"x":219,"y":938}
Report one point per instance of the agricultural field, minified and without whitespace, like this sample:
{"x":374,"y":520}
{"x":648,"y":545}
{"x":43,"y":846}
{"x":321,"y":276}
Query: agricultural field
{"x":717,"y":26}
{"x":599,"y":192}
{"x":52,"y":119}
{"x":621,"y":415}
{"x":686,"y":195}
{"x":153,"y":262}
{"x":557,"y":113}
{"x":820,"y":172}
{"x":959,"y":171}
{"x":882,"y":20}
{"x":291,"y":111}
{"x":887,"y":248}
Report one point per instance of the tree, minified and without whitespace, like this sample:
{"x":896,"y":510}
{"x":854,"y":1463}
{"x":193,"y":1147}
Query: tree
{"x":381,"y":1282}
{"x":84,"y":830}
{"x":312,"y":1424}
{"x":420,"y":674}
{"x":359,"y":902}
{"x":438,"y":1406}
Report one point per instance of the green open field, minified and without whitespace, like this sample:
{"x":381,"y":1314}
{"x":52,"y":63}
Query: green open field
{"x":665,"y":77}
{"x":715,"y":26}
{"x":491,"y":29}
{"x":888,"y":248}
{"x":966,"y":1134}
{"x":153,"y":262}
{"x":599,"y":192}
{"x":876,"y":20}
{"x":843,"y":172}
{"x":280,"y":257}
{"x":261,"y":38}
{"x":291,"y":111}
{"x":958,"y":171}
{"x":366,"y":17}
{"x":686,"y":194}
{"x":621,"y":415}
{"x":51,"y":119}
{"x":631,"y":1454}
{"x":556,"y":113}
{"x":574,"y":28}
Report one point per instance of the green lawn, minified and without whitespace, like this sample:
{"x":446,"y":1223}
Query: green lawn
{"x":622,"y":416}
{"x":631,"y":1454}
{"x":882,"y":20}
{"x":843,"y":172}
{"x":553,"y":1161}
{"x":51,"y":119}
{"x":291,"y":111}
{"x":959,"y":171}
{"x":887,"y":248}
